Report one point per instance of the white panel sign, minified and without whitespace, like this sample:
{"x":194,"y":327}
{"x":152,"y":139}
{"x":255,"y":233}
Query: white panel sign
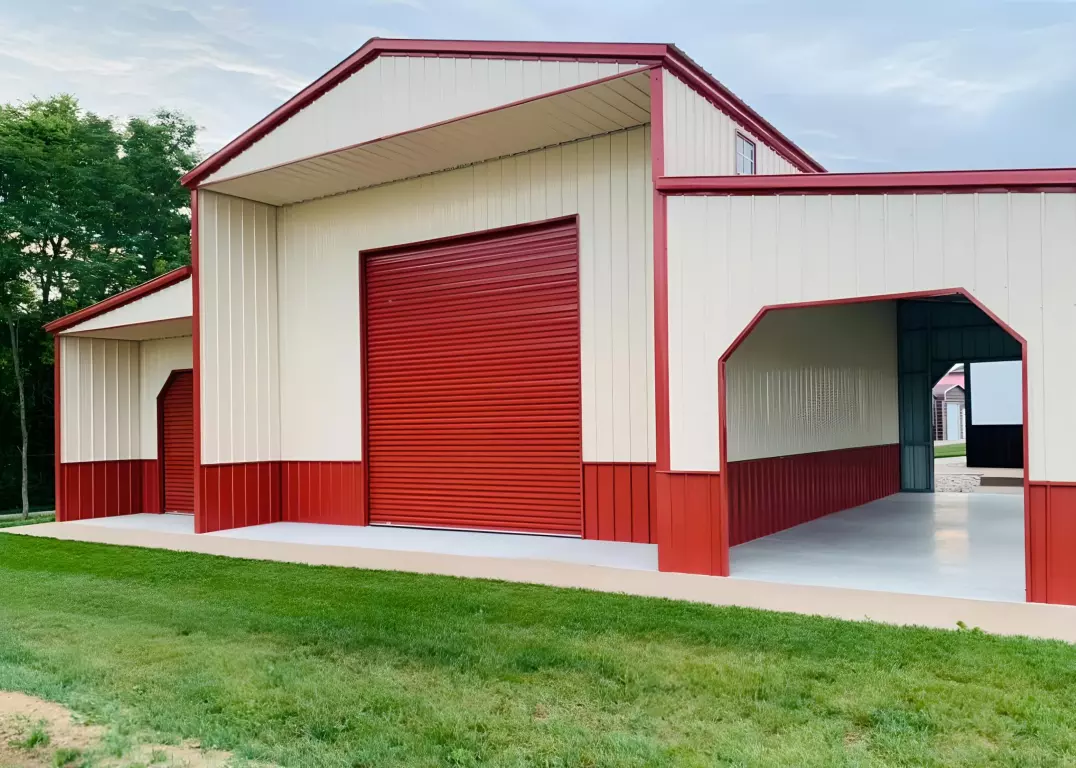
{"x":996,"y":393}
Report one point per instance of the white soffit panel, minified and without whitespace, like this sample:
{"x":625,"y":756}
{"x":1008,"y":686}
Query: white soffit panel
{"x":592,"y":110}
{"x":171,"y":308}
{"x":158,"y":329}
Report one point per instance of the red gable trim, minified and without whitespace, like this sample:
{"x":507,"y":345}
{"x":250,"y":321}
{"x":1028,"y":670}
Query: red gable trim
{"x":119,"y":300}
{"x":644,"y":53}
{"x":1033,"y":180}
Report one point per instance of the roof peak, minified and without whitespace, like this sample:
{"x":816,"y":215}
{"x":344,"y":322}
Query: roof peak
{"x":668,"y":56}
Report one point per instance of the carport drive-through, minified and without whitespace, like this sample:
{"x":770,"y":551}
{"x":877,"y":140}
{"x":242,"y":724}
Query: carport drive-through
{"x":828,"y":407}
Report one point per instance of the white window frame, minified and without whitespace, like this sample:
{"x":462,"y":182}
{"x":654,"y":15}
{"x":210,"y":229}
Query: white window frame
{"x":743,"y":158}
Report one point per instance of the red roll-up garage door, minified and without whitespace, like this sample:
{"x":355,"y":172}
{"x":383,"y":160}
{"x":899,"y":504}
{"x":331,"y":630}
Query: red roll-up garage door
{"x":177,"y":442}
{"x":473,"y":382}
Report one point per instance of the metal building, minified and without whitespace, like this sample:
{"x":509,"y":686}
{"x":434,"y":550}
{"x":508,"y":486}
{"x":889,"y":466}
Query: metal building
{"x":570,"y":289}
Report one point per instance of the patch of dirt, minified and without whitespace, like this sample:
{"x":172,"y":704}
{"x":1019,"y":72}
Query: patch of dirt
{"x":35,"y":733}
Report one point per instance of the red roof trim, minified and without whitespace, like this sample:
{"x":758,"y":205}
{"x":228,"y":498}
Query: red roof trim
{"x":644,"y":53}
{"x":120,"y":299}
{"x":1030,"y":180}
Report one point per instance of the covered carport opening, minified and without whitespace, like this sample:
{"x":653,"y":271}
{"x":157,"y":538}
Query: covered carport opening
{"x":828,"y":454}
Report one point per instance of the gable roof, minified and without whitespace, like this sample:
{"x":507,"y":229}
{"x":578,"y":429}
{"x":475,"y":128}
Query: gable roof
{"x":668,"y":56}
{"x":947,"y":382}
{"x":119,"y":300}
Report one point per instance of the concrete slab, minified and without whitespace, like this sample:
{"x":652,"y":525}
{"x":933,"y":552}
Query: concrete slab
{"x":1014,"y":490}
{"x":1000,"y":617}
{"x":945,"y":544}
{"x":559,"y":549}
{"x":169,"y":523}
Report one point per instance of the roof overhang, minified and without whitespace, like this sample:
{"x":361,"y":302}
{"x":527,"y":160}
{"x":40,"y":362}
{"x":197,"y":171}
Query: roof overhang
{"x":160,"y":308}
{"x":603,"y":106}
{"x":156,"y":329}
{"x":666,"y":56}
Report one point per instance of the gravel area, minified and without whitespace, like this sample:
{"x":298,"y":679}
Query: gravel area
{"x":962,"y":483}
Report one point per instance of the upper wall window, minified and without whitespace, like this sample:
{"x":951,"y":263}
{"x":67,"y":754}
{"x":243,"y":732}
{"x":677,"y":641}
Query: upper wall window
{"x":745,"y":155}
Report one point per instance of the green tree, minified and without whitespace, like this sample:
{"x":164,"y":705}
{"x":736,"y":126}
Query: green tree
{"x":88,"y":207}
{"x":16,"y":301}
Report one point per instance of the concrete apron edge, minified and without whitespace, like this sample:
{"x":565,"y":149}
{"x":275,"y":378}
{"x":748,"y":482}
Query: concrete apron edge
{"x":1036,"y":620}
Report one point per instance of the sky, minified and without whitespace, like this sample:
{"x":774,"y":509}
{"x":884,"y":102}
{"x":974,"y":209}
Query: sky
{"x":861,"y":86}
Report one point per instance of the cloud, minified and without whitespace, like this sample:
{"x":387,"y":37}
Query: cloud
{"x":416,"y":5}
{"x":24,"y":46}
{"x":919,"y":83}
{"x":966,"y":74}
{"x":200,"y":55}
{"x":220,"y":63}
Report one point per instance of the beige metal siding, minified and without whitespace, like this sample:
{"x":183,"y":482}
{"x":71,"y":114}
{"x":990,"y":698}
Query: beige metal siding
{"x":393,"y":94}
{"x":729,"y":256}
{"x":700,"y":139}
{"x":166,"y":304}
{"x":606,"y":181}
{"x":239,"y":345}
{"x":817,"y":379}
{"x":157,"y":359}
{"x":99,"y":399}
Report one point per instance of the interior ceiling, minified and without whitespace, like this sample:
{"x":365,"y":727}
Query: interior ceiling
{"x":592,"y":110}
{"x":160,"y":329}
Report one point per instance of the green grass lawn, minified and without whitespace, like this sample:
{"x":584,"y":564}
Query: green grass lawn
{"x":334,"y":667}
{"x":32,"y":520}
{"x":950,"y":451}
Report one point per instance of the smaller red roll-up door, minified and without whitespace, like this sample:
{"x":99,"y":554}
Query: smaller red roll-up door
{"x":473,"y":382}
{"x":177,"y":442}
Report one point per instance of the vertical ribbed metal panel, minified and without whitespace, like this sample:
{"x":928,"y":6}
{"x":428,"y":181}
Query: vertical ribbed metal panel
{"x":693,"y":525}
{"x":913,"y":364}
{"x":474,"y":382}
{"x":618,"y":502}
{"x":240,"y":387}
{"x":700,"y":139}
{"x":322,"y":492}
{"x":100,"y":399}
{"x":813,"y":379}
{"x":237,"y":495}
{"x":1052,"y":532}
{"x":177,"y":441}
{"x":770,"y":495}
{"x":92,"y":489}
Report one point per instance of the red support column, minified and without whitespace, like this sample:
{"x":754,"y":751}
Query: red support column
{"x":688,"y":515}
{"x":1051,"y":536}
{"x":200,"y":523}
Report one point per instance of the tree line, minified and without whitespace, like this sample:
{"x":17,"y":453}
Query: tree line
{"x":89,"y":206}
